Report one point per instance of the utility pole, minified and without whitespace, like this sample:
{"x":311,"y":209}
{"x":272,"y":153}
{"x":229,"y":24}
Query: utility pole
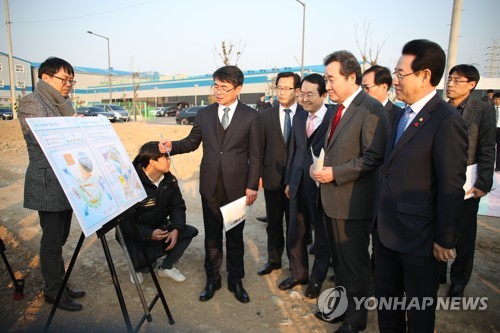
{"x":453,"y":42}
{"x":11,"y":64}
{"x":303,"y":37}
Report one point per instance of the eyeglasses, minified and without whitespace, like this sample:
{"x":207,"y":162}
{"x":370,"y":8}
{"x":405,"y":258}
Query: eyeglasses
{"x":401,"y":76}
{"x":308,"y":95}
{"x":283,"y":89}
{"x":456,"y":80}
{"x":367,"y":88}
{"x":65,"y":81}
{"x":222,"y":90}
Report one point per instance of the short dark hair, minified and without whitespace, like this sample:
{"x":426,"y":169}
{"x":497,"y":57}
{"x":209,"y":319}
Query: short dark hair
{"x":348,"y":63}
{"x":428,"y":55}
{"x":316,"y":79}
{"x":231,"y":74}
{"x":52,"y":65}
{"x":382,"y":75}
{"x":468,"y":71}
{"x":496,"y":95}
{"x":490,"y":91}
{"x":148,"y":151}
{"x":296,"y":78}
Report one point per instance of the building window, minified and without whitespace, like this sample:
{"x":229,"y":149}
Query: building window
{"x":1,"y":84}
{"x":19,"y":68}
{"x":20,"y":84}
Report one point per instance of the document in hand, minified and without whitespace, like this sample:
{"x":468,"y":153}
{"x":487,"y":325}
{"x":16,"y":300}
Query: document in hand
{"x":234,"y":213}
{"x":471,"y":179}
{"x":318,"y":161}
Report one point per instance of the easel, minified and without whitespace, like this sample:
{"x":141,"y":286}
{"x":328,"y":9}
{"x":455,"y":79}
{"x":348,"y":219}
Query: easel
{"x":18,"y":283}
{"x":101,"y":233}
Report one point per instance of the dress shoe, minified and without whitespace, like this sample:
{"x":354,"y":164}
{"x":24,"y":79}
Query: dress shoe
{"x":262,"y":219}
{"x":336,"y":320}
{"x":313,"y":290}
{"x":456,"y":290}
{"x":268,"y":268}
{"x":351,"y":329}
{"x":290,"y":283}
{"x":75,"y":293}
{"x":239,"y":292}
{"x":65,"y":303}
{"x":209,"y":290}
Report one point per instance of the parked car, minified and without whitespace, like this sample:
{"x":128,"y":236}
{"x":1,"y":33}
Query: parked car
{"x":94,"y":111}
{"x":119,"y":112}
{"x":6,"y":113}
{"x":163,"y":111}
{"x":186,"y":117}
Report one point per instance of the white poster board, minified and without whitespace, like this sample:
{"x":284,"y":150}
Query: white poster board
{"x":91,"y":165}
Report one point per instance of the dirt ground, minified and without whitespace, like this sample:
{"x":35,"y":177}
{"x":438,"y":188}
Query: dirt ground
{"x":269,"y":310}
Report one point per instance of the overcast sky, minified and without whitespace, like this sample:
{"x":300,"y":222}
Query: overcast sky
{"x":180,"y":36}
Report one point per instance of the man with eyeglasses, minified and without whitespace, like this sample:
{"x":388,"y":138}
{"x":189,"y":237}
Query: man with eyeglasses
{"x":376,"y":82}
{"x":354,"y":150}
{"x":308,"y":132}
{"x":277,"y":124}
{"x":480,"y":119}
{"x":420,"y":194}
{"x":232,"y":138}
{"x":42,"y":191}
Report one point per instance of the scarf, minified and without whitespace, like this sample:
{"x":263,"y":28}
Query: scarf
{"x":55,"y":99}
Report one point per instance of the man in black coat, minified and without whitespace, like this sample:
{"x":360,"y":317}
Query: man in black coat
{"x":160,"y":219}
{"x":480,"y":119}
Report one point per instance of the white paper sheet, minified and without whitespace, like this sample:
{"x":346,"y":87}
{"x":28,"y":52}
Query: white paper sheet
{"x":470,"y":181}
{"x":318,"y":161}
{"x":234,"y":213}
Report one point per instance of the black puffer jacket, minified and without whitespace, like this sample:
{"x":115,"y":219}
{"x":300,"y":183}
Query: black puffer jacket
{"x":164,"y":207}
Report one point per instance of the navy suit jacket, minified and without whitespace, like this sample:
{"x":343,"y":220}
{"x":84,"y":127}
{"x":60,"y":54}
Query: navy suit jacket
{"x":392,"y":109}
{"x":421,"y":185}
{"x":299,"y":158}
{"x":239,"y":157}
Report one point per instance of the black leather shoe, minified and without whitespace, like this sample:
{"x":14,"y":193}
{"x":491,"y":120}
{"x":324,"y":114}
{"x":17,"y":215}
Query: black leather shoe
{"x":290,"y":283}
{"x":313,"y":290}
{"x":456,"y":290}
{"x":239,"y":292}
{"x":209,"y":290}
{"x":65,"y":303}
{"x":351,"y":329}
{"x":262,"y":219}
{"x":268,"y":268}
{"x":75,"y":293}
{"x":336,"y":320}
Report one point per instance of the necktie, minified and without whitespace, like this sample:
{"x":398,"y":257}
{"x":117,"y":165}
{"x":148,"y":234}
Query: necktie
{"x":288,"y":125}
{"x":336,"y":121}
{"x":225,"y":118}
{"x":402,"y":123}
{"x":310,"y":126}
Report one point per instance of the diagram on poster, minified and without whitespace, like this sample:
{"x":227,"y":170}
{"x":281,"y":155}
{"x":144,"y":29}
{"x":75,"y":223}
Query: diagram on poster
{"x":92,"y":166}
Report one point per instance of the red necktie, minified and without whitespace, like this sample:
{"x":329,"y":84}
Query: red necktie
{"x":335,"y":121}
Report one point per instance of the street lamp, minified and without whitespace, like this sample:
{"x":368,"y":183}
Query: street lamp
{"x":195,"y":94}
{"x":109,"y":64}
{"x":303,"y":37}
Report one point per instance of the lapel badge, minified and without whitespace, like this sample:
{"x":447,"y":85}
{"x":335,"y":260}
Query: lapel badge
{"x":418,"y":123}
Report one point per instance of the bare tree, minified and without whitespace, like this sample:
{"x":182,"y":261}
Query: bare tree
{"x":230,"y":51}
{"x":366,"y":51}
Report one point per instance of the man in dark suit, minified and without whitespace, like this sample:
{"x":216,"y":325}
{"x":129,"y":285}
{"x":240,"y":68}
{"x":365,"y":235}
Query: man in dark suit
{"x":420,"y":195}
{"x":354,"y":150}
{"x":230,"y":169}
{"x":277,"y":124}
{"x":480,"y":119}
{"x":308,"y":131}
{"x":488,"y":98}
{"x":376,"y":82}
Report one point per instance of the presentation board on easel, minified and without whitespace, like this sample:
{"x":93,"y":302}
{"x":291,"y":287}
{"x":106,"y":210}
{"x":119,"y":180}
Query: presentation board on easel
{"x":91,"y":165}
